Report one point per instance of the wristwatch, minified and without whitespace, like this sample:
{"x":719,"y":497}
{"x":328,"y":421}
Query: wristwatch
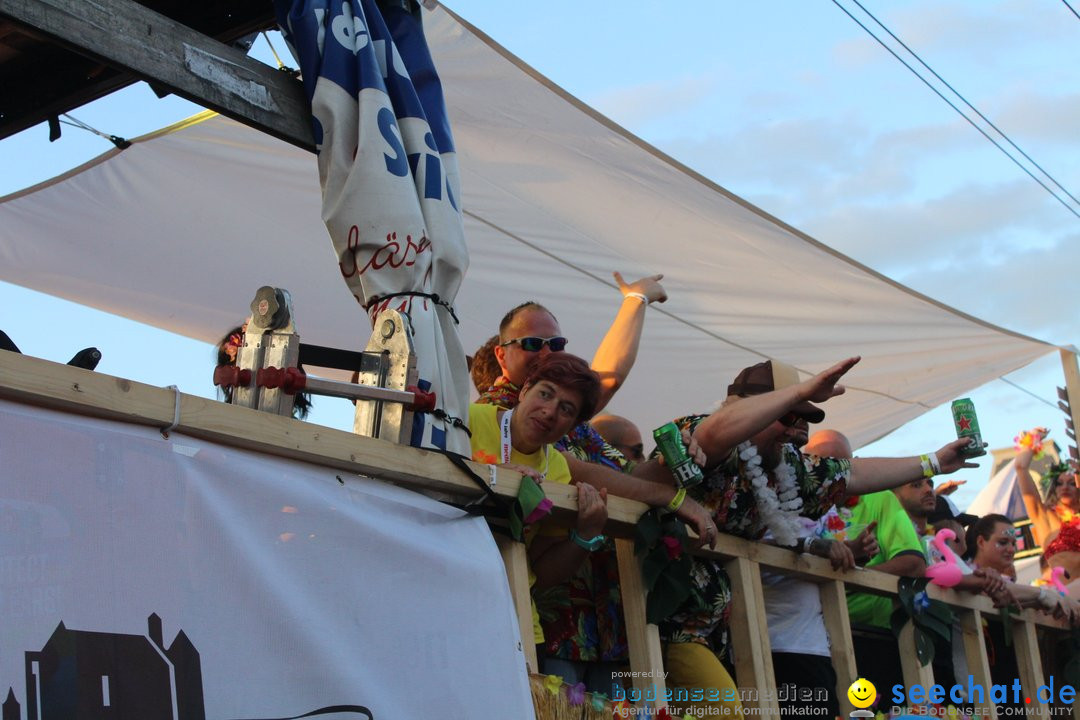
{"x":590,"y":545}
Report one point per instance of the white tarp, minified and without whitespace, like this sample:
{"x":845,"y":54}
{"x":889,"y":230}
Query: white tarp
{"x":1001,"y":496}
{"x":293,"y":590}
{"x":555,"y":197}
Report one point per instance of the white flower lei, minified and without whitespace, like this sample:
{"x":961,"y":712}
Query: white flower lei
{"x":779,"y":509}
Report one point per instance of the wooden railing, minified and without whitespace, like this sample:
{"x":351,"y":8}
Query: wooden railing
{"x":42,"y":383}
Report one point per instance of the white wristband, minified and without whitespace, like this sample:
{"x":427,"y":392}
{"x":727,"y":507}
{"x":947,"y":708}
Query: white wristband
{"x":639,"y":296}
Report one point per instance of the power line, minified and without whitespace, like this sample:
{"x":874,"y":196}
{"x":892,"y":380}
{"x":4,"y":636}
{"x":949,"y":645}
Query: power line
{"x":974,"y":109}
{"x":1025,"y":390}
{"x":1071,"y":8}
{"x":962,"y":114}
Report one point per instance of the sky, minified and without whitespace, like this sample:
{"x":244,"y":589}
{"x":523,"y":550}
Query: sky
{"x":787,"y":103}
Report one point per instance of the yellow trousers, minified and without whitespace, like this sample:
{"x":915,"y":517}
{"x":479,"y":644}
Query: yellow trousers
{"x":699,"y":683}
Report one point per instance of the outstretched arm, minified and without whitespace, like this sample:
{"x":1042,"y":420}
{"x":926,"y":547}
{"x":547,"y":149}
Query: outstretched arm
{"x":869,"y":475}
{"x":1042,"y":522}
{"x":654,"y":487}
{"x":618,"y":350}
{"x":738,"y":421}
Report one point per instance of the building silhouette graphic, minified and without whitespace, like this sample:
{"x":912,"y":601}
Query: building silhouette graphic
{"x":84,"y":675}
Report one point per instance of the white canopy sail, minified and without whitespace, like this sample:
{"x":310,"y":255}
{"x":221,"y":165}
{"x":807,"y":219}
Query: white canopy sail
{"x":178,"y":230}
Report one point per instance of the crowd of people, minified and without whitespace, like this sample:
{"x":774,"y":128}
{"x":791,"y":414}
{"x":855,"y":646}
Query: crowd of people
{"x":765,"y":479}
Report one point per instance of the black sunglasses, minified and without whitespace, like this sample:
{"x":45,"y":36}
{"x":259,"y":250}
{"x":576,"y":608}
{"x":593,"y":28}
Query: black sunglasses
{"x":536,"y":344}
{"x":790,"y":419}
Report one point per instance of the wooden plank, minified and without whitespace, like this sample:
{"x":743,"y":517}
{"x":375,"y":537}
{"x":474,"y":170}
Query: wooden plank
{"x":971,"y":628}
{"x":517,"y":575}
{"x":1072,"y":386}
{"x":1026,"y":647}
{"x":643,"y":639}
{"x":800,"y":565}
{"x":127,"y":35}
{"x":47,"y":384}
{"x":834,"y":609}
{"x":750,"y":635}
{"x":914,"y":673}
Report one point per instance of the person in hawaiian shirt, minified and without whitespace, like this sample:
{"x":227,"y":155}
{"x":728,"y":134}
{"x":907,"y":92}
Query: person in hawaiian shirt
{"x":757,"y":480}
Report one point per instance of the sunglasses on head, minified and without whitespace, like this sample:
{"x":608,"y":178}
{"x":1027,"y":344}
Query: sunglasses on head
{"x":536,"y":344}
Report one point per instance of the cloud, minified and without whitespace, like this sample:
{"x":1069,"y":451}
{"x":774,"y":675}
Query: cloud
{"x":1032,"y":291}
{"x":973,"y":224}
{"x":640,"y":106}
{"x":777,"y":153}
{"x":1027,"y":114}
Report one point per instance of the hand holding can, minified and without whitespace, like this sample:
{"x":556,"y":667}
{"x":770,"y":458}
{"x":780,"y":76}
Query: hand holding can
{"x":682,"y":466}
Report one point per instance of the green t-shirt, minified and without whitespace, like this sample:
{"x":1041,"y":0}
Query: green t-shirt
{"x":896,"y":535}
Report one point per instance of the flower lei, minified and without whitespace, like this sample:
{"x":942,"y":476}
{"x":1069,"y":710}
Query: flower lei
{"x":779,"y":508}
{"x":1030,"y":440}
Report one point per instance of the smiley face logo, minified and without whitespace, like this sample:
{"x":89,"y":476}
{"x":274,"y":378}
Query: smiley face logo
{"x":862,"y":693}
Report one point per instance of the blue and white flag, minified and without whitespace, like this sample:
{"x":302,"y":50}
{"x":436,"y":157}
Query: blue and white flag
{"x":390,"y":182}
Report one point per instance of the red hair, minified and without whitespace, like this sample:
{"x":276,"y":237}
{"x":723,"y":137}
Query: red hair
{"x":572,"y":373}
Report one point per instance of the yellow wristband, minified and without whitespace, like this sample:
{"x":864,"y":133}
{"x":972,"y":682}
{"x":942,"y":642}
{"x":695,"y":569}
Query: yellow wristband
{"x":677,"y":501}
{"x":927,"y":466}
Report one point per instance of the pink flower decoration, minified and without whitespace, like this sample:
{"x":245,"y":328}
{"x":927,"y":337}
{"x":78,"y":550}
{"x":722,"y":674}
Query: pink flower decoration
{"x":542,"y":509}
{"x":673,"y":546}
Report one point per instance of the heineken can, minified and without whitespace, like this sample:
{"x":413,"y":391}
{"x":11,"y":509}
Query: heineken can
{"x":967,"y":426}
{"x":683,"y":468}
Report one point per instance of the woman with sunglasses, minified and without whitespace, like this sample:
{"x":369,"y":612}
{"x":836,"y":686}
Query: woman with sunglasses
{"x":1053,"y":506}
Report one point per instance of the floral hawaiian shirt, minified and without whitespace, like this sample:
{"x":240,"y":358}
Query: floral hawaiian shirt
{"x":727,"y":493}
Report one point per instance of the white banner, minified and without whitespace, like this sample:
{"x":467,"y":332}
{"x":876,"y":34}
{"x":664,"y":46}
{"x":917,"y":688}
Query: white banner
{"x":181,"y":579}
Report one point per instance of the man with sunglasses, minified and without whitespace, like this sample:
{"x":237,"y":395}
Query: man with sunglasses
{"x":528,"y":333}
{"x":530,"y":330}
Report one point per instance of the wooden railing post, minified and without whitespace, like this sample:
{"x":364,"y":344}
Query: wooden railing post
{"x":642,"y":639}
{"x":517,"y":575}
{"x":750,"y":636}
{"x":1029,"y":664}
{"x":978,"y":664}
{"x":835,"y":612}
{"x":914,"y":672}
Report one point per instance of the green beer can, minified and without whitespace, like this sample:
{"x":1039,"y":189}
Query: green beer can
{"x":683,"y":468}
{"x":967,"y":426}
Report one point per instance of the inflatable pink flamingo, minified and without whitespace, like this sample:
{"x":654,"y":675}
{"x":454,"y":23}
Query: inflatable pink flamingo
{"x":945,"y":573}
{"x":1055,"y":579}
